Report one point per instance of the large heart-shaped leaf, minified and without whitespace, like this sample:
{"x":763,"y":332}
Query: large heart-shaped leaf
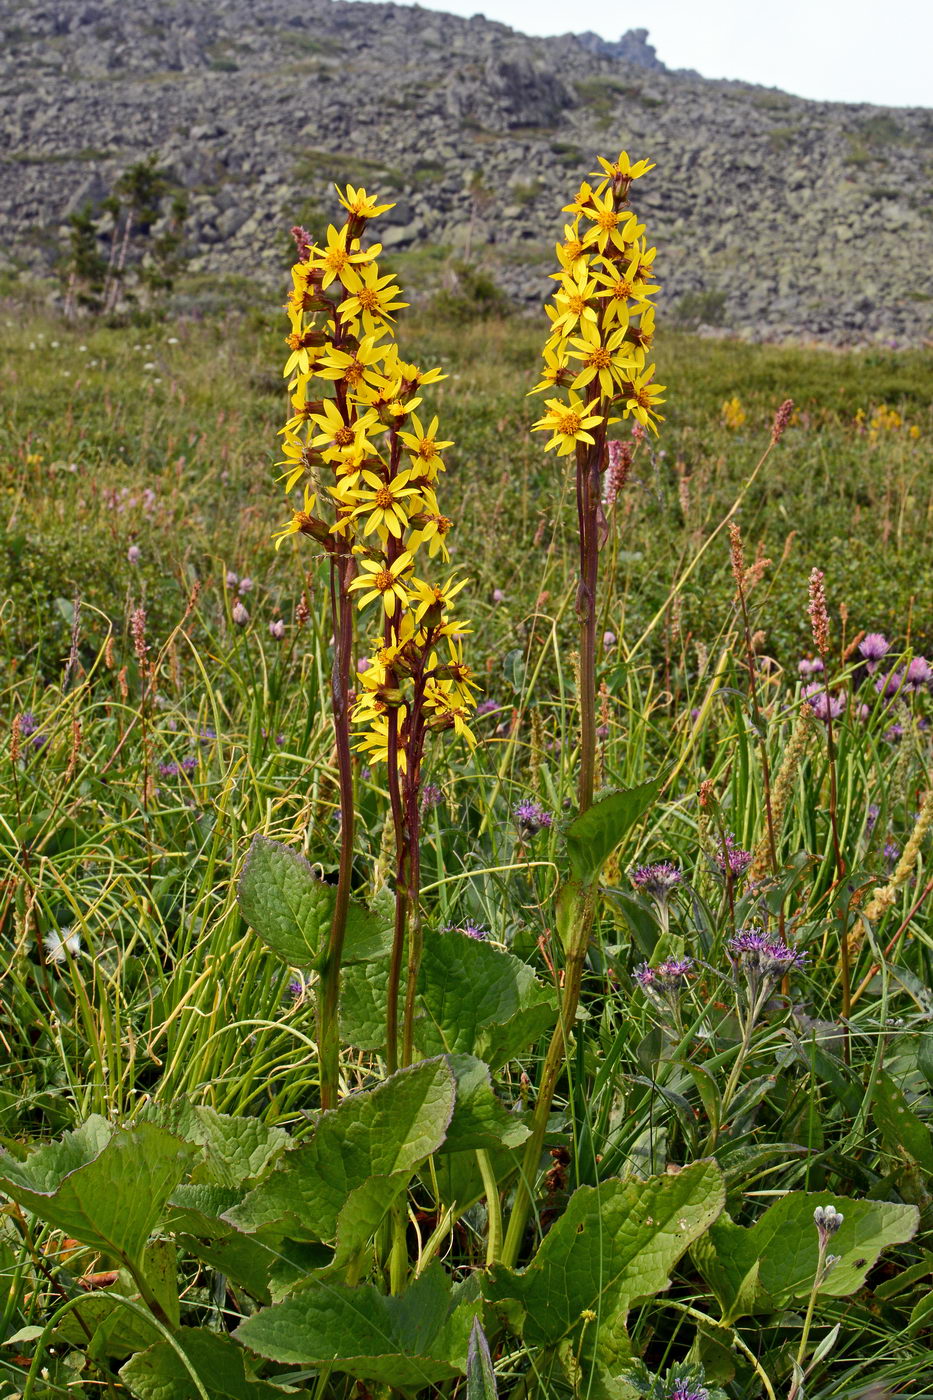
{"x":385,"y":1132}
{"x":105,"y":1186}
{"x":415,"y":1340}
{"x":593,"y":835}
{"x":615,"y":1243}
{"x":236,"y":1150}
{"x":282,"y":899}
{"x":772,"y":1263}
{"x":219,"y":1363}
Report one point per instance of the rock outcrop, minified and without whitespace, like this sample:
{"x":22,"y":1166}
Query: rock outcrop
{"x":773,"y":215}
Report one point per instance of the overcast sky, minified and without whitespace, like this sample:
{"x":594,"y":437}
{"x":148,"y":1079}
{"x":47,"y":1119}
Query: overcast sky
{"x":833,"y":50}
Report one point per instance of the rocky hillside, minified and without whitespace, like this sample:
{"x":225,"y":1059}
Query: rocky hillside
{"x":773,"y":215}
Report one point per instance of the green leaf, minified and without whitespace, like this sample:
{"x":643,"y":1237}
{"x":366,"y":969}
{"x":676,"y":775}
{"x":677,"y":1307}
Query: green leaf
{"x":478,"y":1000}
{"x":237,"y":1150}
{"x":473,"y":999}
{"x":480,"y":1119}
{"x":160,"y":1373}
{"x":614,"y":1244}
{"x":771,"y":1264}
{"x":593,"y":835}
{"x":105,"y":1186}
{"x":480,"y":1377}
{"x":903,"y":1132}
{"x":381,"y":1133}
{"x":291,"y":910}
{"x":114,"y":1330}
{"x":417,"y":1339}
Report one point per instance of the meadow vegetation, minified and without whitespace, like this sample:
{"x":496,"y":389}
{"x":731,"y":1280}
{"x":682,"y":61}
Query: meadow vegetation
{"x":729,"y":1195}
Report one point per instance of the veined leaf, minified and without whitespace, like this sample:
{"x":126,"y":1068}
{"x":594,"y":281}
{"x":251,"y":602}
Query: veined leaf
{"x":105,"y":1186}
{"x":381,"y":1133}
{"x":236,"y":1150}
{"x":593,"y":835}
{"x":615,"y":1243}
{"x":220,"y":1364}
{"x":772,"y":1263}
{"x":480,"y":1377}
{"x":291,"y":910}
{"x":411,"y":1341}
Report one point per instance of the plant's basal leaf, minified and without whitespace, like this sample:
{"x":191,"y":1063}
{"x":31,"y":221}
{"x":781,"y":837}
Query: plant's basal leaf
{"x":363,"y":1000}
{"x":903,"y":1132}
{"x":773,"y":1262}
{"x":479,"y":1000}
{"x":593,"y":835}
{"x":387,"y":1130}
{"x":237,"y":1150}
{"x":105,"y":1186}
{"x":481,"y":1378}
{"x":220,"y":1364}
{"x":480,"y":1119}
{"x":615,"y":1243}
{"x":412,"y":1341}
{"x":114,"y":1330}
{"x":291,"y":910}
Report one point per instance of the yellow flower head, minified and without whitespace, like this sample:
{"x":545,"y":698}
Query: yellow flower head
{"x":372,"y":299}
{"x":359,"y":203}
{"x":337,"y":260}
{"x":623,"y":169}
{"x":568,"y":424}
{"x":385,"y":581}
{"x":424,"y":446}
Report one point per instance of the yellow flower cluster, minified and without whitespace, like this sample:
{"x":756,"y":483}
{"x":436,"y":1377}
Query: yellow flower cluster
{"x":733,"y":414}
{"x":884,"y":420}
{"x":602,"y":316}
{"x":369,"y":467}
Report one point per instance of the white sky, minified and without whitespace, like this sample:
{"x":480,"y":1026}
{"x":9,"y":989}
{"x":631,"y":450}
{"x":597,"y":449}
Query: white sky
{"x":878,"y":51}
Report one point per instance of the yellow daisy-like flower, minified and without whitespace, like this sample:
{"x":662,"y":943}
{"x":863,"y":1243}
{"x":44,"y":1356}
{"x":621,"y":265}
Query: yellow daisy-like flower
{"x":295,"y":460}
{"x":642,"y":397}
{"x":386,"y":503}
{"x":623,"y":169}
{"x":433,"y":532}
{"x":304,"y":345}
{"x":643,"y":334}
{"x":300,"y":522}
{"x":606,"y":359}
{"x":359,"y":203}
{"x":424,"y":447}
{"x":429,"y":596}
{"x":302,"y":405}
{"x":337,"y":260}
{"x":573,"y":302}
{"x":555,"y":366}
{"x":620,"y":286}
{"x":336,"y":436}
{"x":582,"y":201}
{"x":448,"y":712}
{"x":385,"y":581}
{"x":568,"y":424}
{"x":571,"y":254}
{"x":375,"y":743}
{"x":372,"y":298}
{"x":609,"y":223}
{"x":353,"y":367}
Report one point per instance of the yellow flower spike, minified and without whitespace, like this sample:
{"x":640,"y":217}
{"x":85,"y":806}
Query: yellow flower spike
{"x":568,"y":423}
{"x":608,"y":222}
{"x":424,"y":447}
{"x":386,"y":503}
{"x":372,"y":299}
{"x":337,"y":260}
{"x":361,"y":204}
{"x":384,"y":581}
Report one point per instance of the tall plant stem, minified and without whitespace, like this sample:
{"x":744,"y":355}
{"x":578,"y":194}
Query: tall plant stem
{"x":550,"y":1073}
{"x":329,"y":1000}
{"x":400,"y":924}
{"x":413,"y":894}
{"x":588,"y":484}
{"x":840,"y":865}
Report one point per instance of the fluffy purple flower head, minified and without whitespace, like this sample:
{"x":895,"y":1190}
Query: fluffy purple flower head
{"x":239,"y":614}
{"x":810,"y":668}
{"x":644,"y":975}
{"x":277,"y":629}
{"x":231,"y":579}
{"x":669,"y":976}
{"x":431,"y":796}
{"x":874,"y":646}
{"x":486,"y":707}
{"x":531,"y":816}
{"x":609,"y":640}
{"x":890,"y":685}
{"x":28,"y":724}
{"x":919,"y":674}
{"x":498,"y":596}
{"x":731,"y":859}
{"x":685,"y":1390}
{"x":761,"y":955}
{"x":824,"y":705}
{"x":295,"y":989}
{"x":657,"y":880}
{"x":189,"y":764}
{"x":874,"y":812}
{"x":168,"y":770}
{"x":471,"y":929}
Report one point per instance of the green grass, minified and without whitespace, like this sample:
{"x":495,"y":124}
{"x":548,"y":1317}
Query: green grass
{"x":128,"y":822}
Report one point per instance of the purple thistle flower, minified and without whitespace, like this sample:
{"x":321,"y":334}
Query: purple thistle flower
{"x":431,"y":796}
{"x":471,"y":929}
{"x":644,"y":975}
{"x":919,"y":674}
{"x":609,"y":640}
{"x":874,"y":646}
{"x":810,"y":668}
{"x":889,"y":685}
{"x":760,"y":955}
{"x":657,"y":880}
{"x":894,"y":734}
{"x":207,"y":735}
{"x":824,"y":705}
{"x":168,"y":770}
{"x":296,"y":989}
{"x":232,"y":579}
{"x":685,"y":1390}
{"x":189,"y":764}
{"x":892,"y":853}
{"x":486,"y":707}
{"x":874,"y":812}
{"x":531,"y":817}
{"x":28,"y":724}
{"x":498,"y":596}
{"x":245,"y":586}
{"x":731,"y":859}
